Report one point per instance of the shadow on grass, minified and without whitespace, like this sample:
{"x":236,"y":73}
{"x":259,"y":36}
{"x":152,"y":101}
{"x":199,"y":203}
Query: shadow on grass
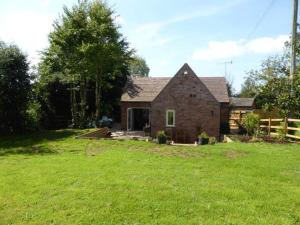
{"x":30,"y":150}
{"x":29,"y":140}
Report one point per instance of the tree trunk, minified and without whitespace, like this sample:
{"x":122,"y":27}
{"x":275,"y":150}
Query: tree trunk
{"x":74,"y":109}
{"x":83,"y":102}
{"x":98,"y":96}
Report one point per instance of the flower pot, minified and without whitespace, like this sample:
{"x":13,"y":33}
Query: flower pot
{"x":162,"y":140}
{"x":203,"y":141}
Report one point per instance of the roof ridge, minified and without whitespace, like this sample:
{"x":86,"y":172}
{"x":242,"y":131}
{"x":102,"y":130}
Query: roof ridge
{"x":171,"y":77}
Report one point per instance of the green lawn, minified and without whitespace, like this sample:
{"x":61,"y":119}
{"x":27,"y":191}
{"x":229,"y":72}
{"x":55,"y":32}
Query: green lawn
{"x":51,"y":178}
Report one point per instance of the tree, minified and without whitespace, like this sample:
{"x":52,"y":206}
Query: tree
{"x":249,"y":88}
{"x":230,"y":89}
{"x":88,"y":52}
{"x":138,"y":67}
{"x":272,"y":87}
{"x":14,"y":88}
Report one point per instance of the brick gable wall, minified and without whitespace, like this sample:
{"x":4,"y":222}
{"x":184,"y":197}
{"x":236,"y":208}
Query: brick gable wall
{"x":196,"y":108}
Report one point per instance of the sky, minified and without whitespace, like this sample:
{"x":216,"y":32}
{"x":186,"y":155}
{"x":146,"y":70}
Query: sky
{"x":168,"y":33}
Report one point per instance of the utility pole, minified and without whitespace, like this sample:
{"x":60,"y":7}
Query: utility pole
{"x":294,"y":39}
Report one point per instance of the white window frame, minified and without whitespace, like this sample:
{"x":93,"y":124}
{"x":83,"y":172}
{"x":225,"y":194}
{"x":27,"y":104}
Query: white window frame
{"x":174,"y":117}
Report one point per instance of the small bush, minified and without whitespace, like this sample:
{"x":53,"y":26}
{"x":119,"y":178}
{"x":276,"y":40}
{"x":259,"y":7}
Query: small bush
{"x":212,"y":140}
{"x":33,"y":115}
{"x":251,"y":123}
{"x":281,"y":132}
{"x":161,"y":137}
{"x":203,"y":138}
{"x":203,"y":135}
{"x":240,"y":138}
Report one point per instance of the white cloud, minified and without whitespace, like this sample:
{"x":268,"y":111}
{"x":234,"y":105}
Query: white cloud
{"x":218,"y":50}
{"x":267,"y":44}
{"x":228,"y":49}
{"x":149,"y":34}
{"x":29,"y":30}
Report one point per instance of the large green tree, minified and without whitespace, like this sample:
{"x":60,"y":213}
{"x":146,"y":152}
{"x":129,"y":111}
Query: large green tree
{"x":88,"y":52}
{"x":138,"y":67}
{"x":272,"y":87}
{"x":14,"y":88}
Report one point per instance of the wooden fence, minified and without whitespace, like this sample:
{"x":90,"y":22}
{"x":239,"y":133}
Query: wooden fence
{"x":280,"y":124}
{"x":236,"y":118}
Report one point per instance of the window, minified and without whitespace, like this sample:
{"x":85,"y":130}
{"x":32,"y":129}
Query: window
{"x":170,"y":118}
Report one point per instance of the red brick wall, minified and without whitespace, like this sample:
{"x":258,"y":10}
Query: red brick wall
{"x":195,"y":107}
{"x":125,"y":106}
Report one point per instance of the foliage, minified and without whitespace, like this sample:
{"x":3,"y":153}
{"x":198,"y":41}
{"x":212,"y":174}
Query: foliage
{"x":33,"y":115}
{"x":230,"y":89}
{"x":249,"y":87}
{"x":212,"y":140}
{"x":251,"y":123}
{"x":88,"y":53}
{"x":272,"y":87}
{"x":203,"y":135}
{"x":281,"y":131}
{"x":14,"y":88}
{"x":161,"y":136}
{"x":50,"y":177}
{"x":138,"y":67}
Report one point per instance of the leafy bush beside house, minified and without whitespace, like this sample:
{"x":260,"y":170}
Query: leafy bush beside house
{"x":161,"y":137}
{"x":203,"y":138}
{"x":251,"y":123}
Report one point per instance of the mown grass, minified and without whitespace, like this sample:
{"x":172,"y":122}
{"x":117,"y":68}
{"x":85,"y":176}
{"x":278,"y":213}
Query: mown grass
{"x":52,"y":178}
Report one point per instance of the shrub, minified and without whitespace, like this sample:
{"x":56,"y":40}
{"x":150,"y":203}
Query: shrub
{"x":203,"y":138}
{"x":281,"y":132}
{"x":251,"y":123}
{"x":212,"y":140}
{"x":161,"y":137}
{"x":33,"y":116}
{"x":203,"y":135}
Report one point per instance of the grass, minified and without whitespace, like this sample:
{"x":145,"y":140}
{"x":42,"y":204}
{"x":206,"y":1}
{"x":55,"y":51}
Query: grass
{"x":51,"y":178}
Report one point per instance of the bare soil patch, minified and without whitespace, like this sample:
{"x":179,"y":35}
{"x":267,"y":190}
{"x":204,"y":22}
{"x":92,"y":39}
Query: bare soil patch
{"x":235,"y":154}
{"x":169,"y":152}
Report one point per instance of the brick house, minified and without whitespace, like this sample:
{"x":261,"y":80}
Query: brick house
{"x":184,"y":105}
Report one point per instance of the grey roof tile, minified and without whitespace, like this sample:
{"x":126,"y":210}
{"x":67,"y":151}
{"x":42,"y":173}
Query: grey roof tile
{"x":145,"y":89}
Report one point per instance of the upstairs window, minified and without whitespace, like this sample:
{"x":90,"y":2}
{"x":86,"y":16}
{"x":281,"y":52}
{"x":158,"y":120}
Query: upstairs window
{"x":170,"y":118}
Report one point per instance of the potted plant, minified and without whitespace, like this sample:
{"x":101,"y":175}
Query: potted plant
{"x":203,"y":138}
{"x":161,"y":137}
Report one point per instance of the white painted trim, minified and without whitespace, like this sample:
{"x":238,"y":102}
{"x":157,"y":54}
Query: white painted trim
{"x":174,"y":118}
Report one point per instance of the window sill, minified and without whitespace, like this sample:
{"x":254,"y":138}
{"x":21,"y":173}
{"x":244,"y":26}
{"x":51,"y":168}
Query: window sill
{"x":170,"y":125}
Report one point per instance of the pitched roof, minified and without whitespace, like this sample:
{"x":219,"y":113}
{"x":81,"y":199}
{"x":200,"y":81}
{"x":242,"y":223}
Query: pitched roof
{"x":145,"y":89}
{"x":242,"y":102}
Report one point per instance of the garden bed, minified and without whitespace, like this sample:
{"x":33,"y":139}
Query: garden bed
{"x":265,"y":138}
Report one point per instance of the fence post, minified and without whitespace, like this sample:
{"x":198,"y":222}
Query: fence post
{"x":269,"y":126}
{"x":285,"y":126}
